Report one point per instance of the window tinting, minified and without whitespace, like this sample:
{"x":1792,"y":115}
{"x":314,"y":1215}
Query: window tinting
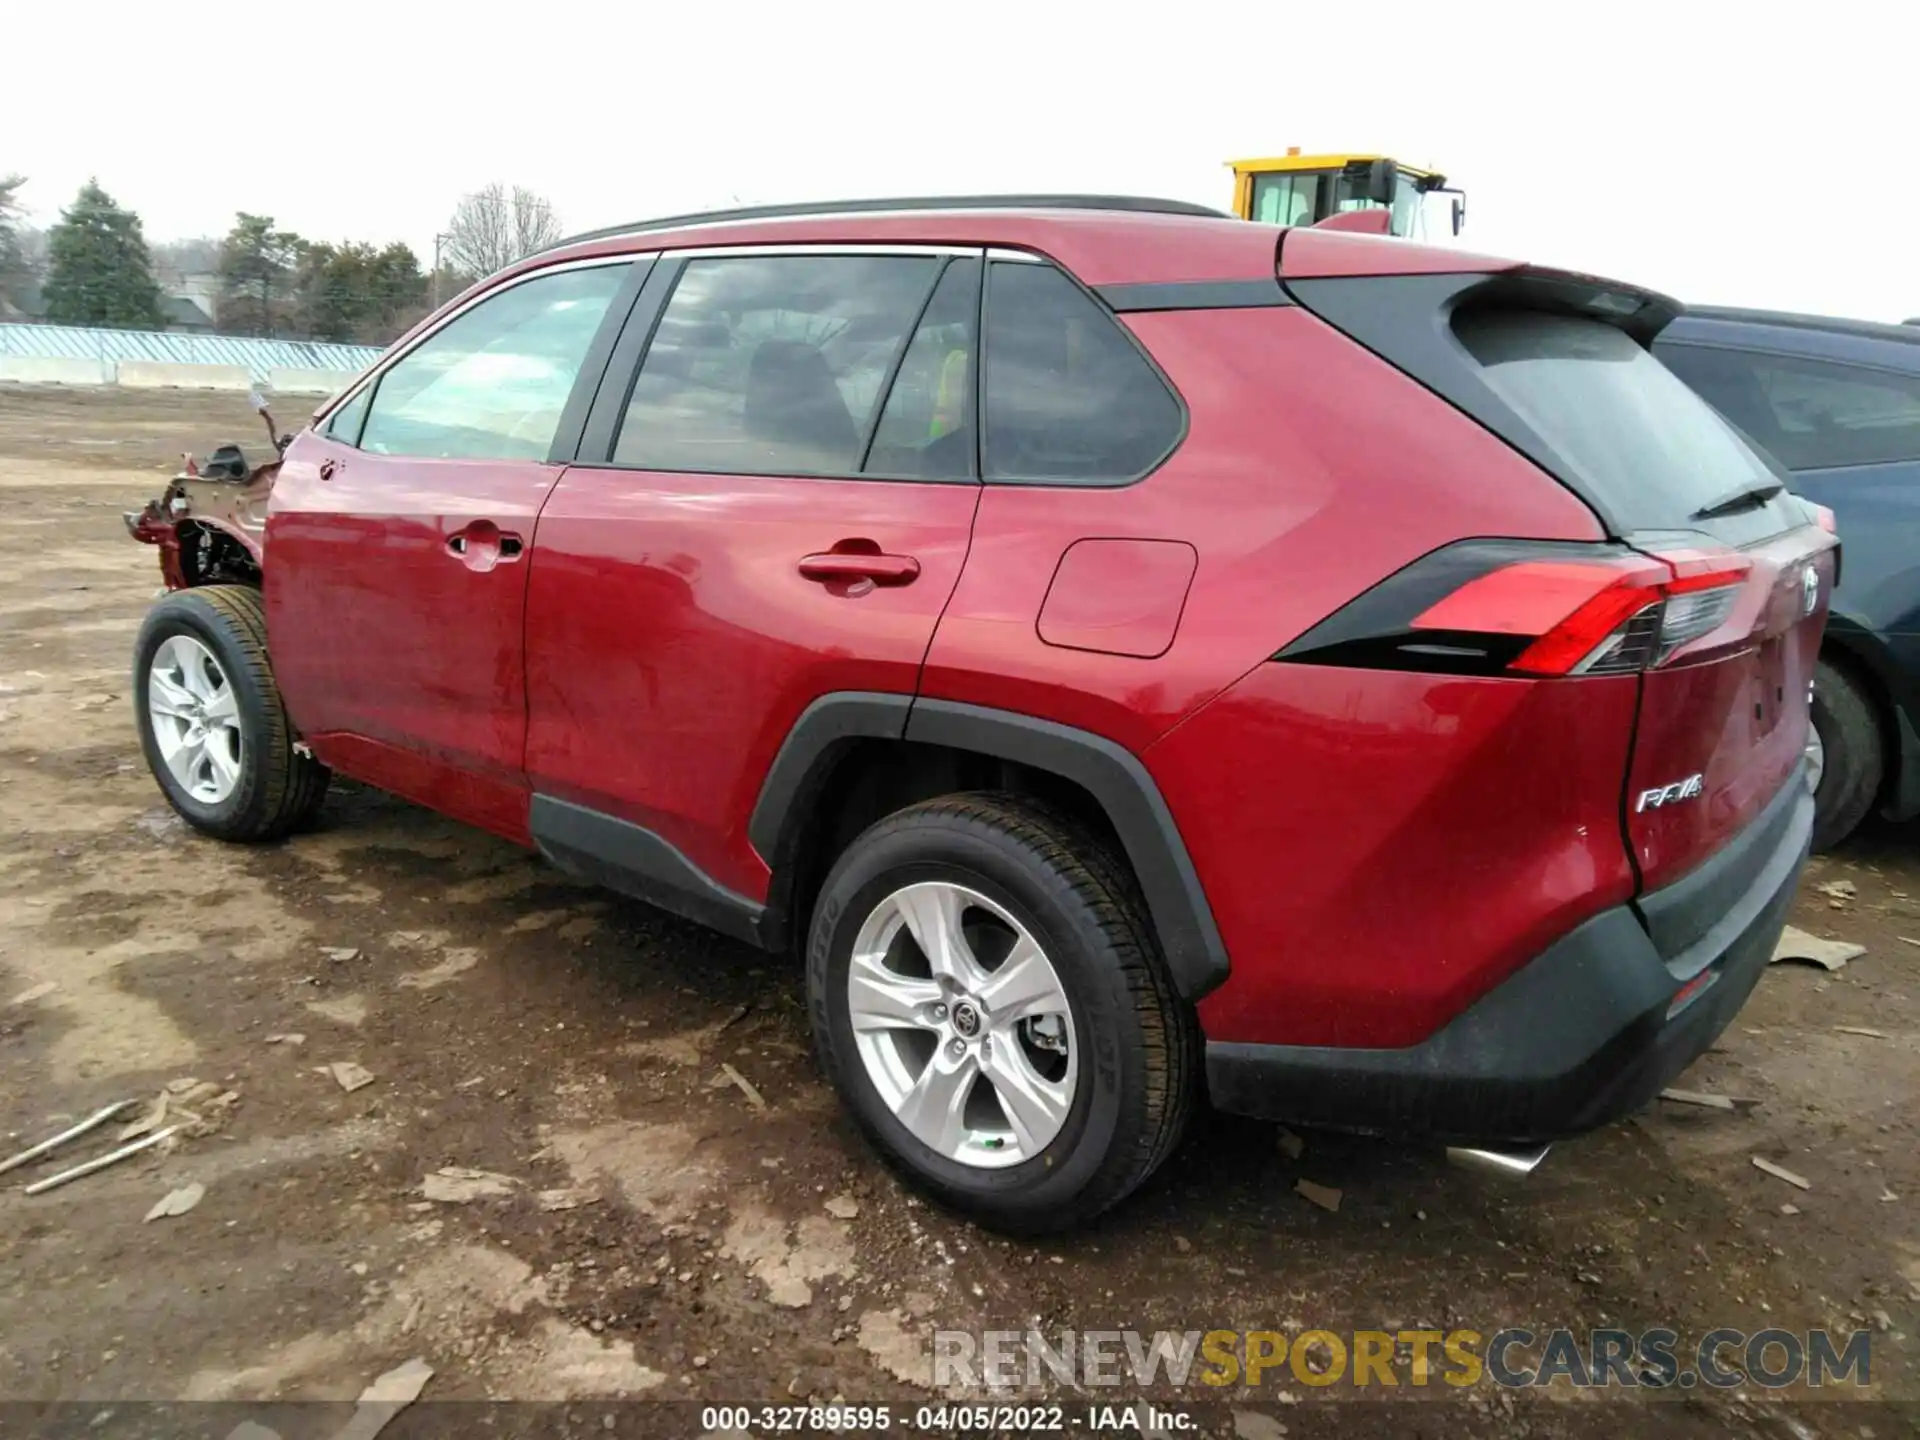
{"x":1069,"y":397}
{"x":1645,"y":445}
{"x":490,"y":384}
{"x":926,"y":431}
{"x":1811,"y":414}
{"x":772,"y":365}
{"x":344,"y":424}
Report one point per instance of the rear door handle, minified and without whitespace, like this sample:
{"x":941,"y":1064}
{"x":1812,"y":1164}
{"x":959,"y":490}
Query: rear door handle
{"x":851,"y":565}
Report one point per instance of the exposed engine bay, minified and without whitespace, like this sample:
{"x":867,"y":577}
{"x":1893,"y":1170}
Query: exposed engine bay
{"x":210,"y":522}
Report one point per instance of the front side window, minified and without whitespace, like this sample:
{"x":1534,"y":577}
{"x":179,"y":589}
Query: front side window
{"x":772,"y":364}
{"x":491,"y":383}
{"x":1069,"y":398}
{"x":1811,"y":414}
{"x":344,"y":424}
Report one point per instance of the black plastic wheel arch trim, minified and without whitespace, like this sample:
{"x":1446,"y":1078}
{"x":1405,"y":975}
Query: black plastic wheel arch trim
{"x":823,"y":728}
{"x":633,"y":860}
{"x":1119,"y":783}
{"x":1189,"y":939}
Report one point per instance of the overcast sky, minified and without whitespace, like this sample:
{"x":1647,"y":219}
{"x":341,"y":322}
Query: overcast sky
{"x":1706,"y":149}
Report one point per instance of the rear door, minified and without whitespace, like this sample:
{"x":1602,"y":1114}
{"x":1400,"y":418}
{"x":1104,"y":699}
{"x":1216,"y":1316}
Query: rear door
{"x":1726,"y":629}
{"x":772,"y":503}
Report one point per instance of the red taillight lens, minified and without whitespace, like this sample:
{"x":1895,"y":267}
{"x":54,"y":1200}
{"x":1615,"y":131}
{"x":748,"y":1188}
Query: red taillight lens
{"x":1536,"y":608}
{"x":1603,"y":616}
{"x":1823,"y":517}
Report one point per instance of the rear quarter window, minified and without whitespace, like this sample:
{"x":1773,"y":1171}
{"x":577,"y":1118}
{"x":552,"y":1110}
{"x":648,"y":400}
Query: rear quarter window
{"x":1644,"y":445}
{"x":1069,"y":397}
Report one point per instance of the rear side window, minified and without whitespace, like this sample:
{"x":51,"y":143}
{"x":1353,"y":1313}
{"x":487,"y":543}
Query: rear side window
{"x":773,"y":364}
{"x":1645,"y":446}
{"x":1811,"y":414}
{"x":492,"y":382}
{"x":927,"y":430}
{"x":1069,"y":398}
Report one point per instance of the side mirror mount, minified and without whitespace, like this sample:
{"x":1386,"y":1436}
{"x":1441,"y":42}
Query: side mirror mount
{"x":259,"y":403}
{"x":1459,"y":213}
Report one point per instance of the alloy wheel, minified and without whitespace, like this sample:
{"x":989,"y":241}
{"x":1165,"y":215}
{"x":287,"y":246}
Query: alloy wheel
{"x":962,"y":1025}
{"x":196,"y":719}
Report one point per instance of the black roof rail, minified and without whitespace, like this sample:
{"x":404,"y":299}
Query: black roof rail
{"x":1876,"y":329}
{"x":1140,"y":204}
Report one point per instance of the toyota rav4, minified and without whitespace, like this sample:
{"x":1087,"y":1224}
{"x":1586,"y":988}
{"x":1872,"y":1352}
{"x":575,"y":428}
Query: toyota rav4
{"x":1129,"y":653}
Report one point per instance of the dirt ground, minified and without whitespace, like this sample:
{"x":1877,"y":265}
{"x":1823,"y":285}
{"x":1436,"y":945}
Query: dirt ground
{"x":645,"y":1228}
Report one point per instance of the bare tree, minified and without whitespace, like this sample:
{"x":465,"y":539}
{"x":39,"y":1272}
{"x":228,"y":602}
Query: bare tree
{"x":494,"y":227}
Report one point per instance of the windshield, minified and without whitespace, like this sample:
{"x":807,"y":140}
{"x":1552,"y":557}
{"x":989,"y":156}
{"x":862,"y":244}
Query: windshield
{"x":1299,"y":197}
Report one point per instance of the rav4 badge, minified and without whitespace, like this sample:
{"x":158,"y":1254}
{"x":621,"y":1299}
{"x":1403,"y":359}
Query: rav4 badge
{"x":1679,"y":790}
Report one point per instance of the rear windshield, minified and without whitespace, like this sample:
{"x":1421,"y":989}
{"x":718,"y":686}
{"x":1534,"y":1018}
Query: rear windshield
{"x":1642,"y":444}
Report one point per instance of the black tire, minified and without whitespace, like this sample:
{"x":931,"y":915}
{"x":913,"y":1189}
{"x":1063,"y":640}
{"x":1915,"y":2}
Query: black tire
{"x":279,"y":789}
{"x":1855,"y":752}
{"x":1138,"y":1042}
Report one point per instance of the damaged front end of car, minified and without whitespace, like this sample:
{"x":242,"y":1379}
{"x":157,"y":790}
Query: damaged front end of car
{"x":210,"y":523}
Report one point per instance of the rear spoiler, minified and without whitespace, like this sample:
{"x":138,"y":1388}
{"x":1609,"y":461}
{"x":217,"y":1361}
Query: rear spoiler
{"x":1332,"y":250}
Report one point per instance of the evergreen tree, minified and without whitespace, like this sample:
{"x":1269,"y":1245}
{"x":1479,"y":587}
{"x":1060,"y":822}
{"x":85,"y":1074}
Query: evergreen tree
{"x":98,"y":271}
{"x":256,"y":275}
{"x":13,"y":259}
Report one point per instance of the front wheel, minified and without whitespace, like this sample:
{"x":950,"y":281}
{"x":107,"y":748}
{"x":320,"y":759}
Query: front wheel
{"x":215,"y":733}
{"x":988,"y":999}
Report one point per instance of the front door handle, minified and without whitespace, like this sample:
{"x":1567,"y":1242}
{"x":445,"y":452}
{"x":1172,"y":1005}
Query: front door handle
{"x":481,"y":545}
{"x":848,"y":566}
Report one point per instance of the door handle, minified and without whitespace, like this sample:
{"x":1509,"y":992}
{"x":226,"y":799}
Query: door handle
{"x":849,"y":566}
{"x":482,"y":545}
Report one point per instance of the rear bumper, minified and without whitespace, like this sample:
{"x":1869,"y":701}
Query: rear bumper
{"x":1577,"y":1037}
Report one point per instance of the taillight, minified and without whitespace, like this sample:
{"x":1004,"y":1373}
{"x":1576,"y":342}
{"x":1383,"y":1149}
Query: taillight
{"x":1823,"y":517}
{"x":1509,"y":607}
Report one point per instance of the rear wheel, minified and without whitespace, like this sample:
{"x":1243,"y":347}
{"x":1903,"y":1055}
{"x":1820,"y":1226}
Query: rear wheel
{"x":1845,"y":755}
{"x":215,"y":733}
{"x":988,"y":999}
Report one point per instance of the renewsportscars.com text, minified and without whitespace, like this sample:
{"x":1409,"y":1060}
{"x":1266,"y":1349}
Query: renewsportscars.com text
{"x":1512,"y":1357}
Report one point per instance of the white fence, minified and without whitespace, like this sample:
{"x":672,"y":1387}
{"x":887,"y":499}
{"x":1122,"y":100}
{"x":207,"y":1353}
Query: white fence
{"x":75,"y":355}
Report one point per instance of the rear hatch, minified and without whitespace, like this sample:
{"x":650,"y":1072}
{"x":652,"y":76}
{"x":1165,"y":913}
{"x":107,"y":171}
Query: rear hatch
{"x":1713,"y":587}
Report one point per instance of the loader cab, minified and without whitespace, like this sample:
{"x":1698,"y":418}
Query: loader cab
{"x":1296,"y":189}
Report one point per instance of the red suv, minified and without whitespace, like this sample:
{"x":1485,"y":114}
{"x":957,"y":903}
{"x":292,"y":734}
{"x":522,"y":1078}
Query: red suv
{"x":1130,"y":652}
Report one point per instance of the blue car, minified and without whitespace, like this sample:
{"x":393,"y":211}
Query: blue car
{"x":1837,"y":402}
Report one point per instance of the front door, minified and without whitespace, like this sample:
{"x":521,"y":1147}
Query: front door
{"x":398,"y":537}
{"x":779,"y":508}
